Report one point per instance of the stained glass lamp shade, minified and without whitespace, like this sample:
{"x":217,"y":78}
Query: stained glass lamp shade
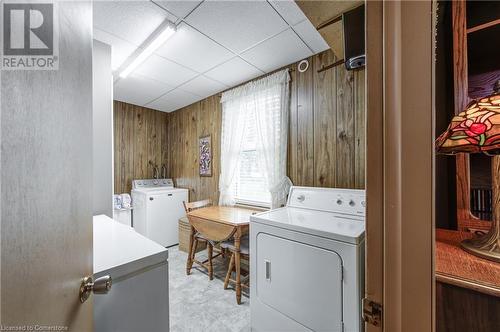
{"x":476,"y":130}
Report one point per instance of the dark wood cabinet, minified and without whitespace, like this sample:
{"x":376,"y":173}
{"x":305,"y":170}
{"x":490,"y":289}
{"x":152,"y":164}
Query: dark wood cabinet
{"x":467,"y":287}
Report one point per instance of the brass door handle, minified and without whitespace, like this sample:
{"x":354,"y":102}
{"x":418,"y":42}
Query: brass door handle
{"x":101,"y":285}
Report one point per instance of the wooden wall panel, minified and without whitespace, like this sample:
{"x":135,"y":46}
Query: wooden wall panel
{"x":210,"y":124}
{"x":292,"y":128}
{"x":126,"y":146}
{"x":184,"y":128}
{"x":359,"y":129}
{"x":345,"y":155}
{"x":140,"y":150}
{"x":117,"y":150}
{"x":325,"y":119}
{"x":305,"y":128}
{"x":326,"y":146}
{"x":140,"y":137}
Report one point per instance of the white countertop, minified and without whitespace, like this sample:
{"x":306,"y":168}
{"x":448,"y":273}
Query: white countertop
{"x":336,"y":226}
{"x":116,"y":246}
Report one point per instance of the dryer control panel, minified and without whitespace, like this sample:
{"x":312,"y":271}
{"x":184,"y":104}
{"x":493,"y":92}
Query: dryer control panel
{"x":347,"y":201}
{"x":152,"y":183}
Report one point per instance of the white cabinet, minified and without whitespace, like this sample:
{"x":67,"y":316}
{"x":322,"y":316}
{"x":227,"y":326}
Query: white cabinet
{"x":138,"y":299}
{"x":137,"y":302}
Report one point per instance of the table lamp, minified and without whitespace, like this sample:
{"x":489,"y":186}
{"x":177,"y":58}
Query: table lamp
{"x":477,"y":130}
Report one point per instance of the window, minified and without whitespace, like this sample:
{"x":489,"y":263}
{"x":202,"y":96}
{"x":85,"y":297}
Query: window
{"x":250,"y":183}
{"x":254,"y":143}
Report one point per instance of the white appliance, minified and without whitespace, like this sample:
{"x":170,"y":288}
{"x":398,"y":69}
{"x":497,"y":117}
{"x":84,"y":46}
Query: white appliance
{"x":157,"y":209}
{"x":138,"y":267}
{"x":307,"y":262}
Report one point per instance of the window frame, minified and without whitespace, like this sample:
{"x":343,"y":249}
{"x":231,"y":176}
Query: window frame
{"x":241,"y":200}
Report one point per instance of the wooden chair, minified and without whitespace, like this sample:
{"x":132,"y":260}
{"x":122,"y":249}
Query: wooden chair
{"x":234,"y":263}
{"x":196,"y":238}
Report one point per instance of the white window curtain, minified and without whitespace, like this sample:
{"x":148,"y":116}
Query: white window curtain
{"x":269,"y":101}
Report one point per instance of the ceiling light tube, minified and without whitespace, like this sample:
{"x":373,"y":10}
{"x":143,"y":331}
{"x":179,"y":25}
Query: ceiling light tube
{"x":164,"y":33}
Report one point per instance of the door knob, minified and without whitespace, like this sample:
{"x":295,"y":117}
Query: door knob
{"x":101,"y":285}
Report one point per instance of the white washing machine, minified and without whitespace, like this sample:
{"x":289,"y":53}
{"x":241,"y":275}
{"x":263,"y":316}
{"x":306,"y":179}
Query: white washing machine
{"x":307,"y":262}
{"x":157,"y":209}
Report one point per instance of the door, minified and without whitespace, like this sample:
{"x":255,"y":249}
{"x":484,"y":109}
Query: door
{"x":289,"y":281}
{"x":46,"y":182}
{"x":399,"y":185}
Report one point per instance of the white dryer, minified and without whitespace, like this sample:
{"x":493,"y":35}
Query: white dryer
{"x":157,"y":209}
{"x":307,"y":262}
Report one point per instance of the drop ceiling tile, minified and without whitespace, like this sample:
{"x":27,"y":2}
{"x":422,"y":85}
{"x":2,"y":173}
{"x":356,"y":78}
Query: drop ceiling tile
{"x":233,"y":72}
{"x":289,"y":10}
{"x":120,"y":49}
{"x":237,"y":25}
{"x":132,"y":21}
{"x":179,"y":8}
{"x":203,"y":86}
{"x":311,"y":36}
{"x":173,"y":100}
{"x":139,"y":90}
{"x":277,"y":52}
{"x":192,"y":49}
{"x":165,"y":71}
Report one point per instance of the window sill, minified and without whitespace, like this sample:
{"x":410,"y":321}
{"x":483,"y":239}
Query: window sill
{"x":252,"y":205}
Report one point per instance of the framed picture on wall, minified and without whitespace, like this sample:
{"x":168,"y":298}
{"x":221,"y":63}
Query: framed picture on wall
{"x":205,"y":158}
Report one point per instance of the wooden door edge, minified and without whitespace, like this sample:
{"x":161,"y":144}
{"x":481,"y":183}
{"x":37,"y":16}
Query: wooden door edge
{"x":374,"y":277}
{"x":408,"y":166}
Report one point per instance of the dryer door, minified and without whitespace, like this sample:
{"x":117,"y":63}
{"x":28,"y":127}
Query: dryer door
{"x":300,"y":281}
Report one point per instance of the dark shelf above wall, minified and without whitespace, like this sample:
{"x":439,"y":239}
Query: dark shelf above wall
{"x":483,"y":50}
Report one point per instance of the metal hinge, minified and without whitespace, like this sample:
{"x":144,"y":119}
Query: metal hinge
{"x":372,"y":312}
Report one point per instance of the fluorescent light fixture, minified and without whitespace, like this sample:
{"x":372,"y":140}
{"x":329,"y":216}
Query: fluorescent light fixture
{"x":165,"y":33}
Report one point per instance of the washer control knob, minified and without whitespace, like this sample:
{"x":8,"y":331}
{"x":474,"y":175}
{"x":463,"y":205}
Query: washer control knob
{"x":363,"y":203}
{"x":301,"y":198}
{"x":339,"y":201}
{"x":351,"y":203}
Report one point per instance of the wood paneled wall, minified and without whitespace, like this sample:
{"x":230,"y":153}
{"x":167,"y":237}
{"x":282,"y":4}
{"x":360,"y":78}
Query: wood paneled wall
{"x":326,"y":145}
{"x":184,"y":128}
{"x":140,"y":138}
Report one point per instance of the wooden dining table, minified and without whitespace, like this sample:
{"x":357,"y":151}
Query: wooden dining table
{"x":217,"y":224}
